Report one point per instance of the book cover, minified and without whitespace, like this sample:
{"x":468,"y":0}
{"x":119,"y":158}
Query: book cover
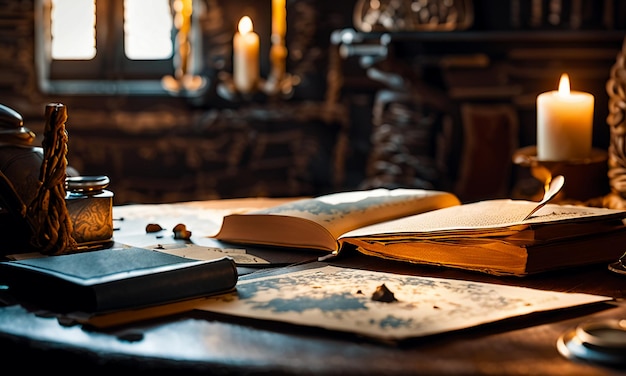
{"x":114,"y":278}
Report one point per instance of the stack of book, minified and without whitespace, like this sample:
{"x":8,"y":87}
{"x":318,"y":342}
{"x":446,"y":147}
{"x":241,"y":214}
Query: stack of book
{"x":434,"y":227}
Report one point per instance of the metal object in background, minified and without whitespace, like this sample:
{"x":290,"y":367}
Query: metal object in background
{"x":616,"y":88}
{"x":184,"y":79}
{"x":413,"y":15}
{"x":602,"y":342}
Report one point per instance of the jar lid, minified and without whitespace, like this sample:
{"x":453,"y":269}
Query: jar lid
{"x":86,"y":184}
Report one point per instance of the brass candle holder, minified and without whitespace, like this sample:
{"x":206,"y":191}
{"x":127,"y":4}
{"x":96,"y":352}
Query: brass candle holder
{"x":586,"y":179}
{"x":274,"y":86}
{"x":279,"y":82}
{"x":184,"y":81}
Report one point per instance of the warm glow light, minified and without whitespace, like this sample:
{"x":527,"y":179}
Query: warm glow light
{"x":279,"y":18}
{"x":184,"y":10}
{"x":564,"y":85}
{"x":564,"y":123}
{"x":246,"y":57}
{"x":245,"y":25}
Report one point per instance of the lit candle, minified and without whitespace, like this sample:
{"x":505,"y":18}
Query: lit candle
{"x":279,"y":18}
{"x":564,"y":123}
{"x":278,"y":51}
{"x":246,"y":57}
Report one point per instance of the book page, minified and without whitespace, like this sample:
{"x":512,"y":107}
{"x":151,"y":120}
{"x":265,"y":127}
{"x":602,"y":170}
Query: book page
{"x":345,"y":211}
{"x":486,"y":217}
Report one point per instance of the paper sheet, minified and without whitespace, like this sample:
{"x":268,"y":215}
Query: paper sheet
{"x":341,"y":299}
{"x":199,"y":252}
{"x":201,"y":218}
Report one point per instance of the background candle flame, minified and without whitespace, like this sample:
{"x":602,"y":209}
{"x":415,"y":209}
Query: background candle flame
{"x":564,"y":87}
{"x":245,"y":25}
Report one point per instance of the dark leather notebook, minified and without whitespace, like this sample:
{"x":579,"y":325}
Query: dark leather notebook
{"x":113,"y":279}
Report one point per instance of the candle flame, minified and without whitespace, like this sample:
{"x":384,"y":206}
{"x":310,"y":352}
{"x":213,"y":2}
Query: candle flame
{"x":245,"y":25}
{"x":564,"y":85}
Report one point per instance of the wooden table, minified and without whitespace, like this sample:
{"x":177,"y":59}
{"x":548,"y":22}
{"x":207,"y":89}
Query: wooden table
{"x":201,"y":343}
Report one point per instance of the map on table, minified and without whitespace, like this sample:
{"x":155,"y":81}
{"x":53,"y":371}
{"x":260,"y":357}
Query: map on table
{"x":344,"y":299}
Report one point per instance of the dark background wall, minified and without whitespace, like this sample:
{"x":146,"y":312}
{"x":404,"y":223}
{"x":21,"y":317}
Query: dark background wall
{"x":330,"y":134}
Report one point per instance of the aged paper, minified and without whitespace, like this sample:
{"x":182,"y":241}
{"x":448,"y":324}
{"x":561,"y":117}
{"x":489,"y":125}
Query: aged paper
{"x":201,"y":218}
{"x":341,"y":299}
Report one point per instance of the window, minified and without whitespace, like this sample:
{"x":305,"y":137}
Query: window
{"x":105,"y":46}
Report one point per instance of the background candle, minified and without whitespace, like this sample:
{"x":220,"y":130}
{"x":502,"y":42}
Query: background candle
{"x":278,"y":51}
{"x":279,"y":18}
{"x":564,"y":123}
{"x":246,"y":57}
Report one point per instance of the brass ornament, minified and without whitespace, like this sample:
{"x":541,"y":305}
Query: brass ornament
{"x":616,"y":89}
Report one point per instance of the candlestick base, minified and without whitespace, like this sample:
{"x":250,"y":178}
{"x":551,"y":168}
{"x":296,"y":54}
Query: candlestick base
{"x":270,"y":88}
{"x":187,"y":85}
{"x":586,"y":179}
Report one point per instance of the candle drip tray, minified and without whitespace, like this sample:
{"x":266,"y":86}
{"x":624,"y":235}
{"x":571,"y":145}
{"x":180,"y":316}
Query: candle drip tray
{"x":585,"y":178}
{"x":263,"y":90}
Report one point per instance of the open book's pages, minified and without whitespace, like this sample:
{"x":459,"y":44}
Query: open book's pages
{"x":499,"y":257}
{"x":491,"y":236}
{"x":491,"y":218}
{"x":316,"y":223}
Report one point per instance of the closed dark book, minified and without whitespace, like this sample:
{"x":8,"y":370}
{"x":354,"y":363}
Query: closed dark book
{"x":115,"y":278}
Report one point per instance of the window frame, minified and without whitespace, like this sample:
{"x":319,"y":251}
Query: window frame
{"x":110,"y":72}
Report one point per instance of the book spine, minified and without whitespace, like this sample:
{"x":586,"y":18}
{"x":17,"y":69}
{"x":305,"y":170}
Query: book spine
{"x":179,"y":284}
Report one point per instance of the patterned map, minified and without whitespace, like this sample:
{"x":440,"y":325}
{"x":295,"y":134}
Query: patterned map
{"x":342,"y":299}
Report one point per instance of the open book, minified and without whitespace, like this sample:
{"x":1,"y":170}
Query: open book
{"x":318,"y":223}
{"x":433,"y":227}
